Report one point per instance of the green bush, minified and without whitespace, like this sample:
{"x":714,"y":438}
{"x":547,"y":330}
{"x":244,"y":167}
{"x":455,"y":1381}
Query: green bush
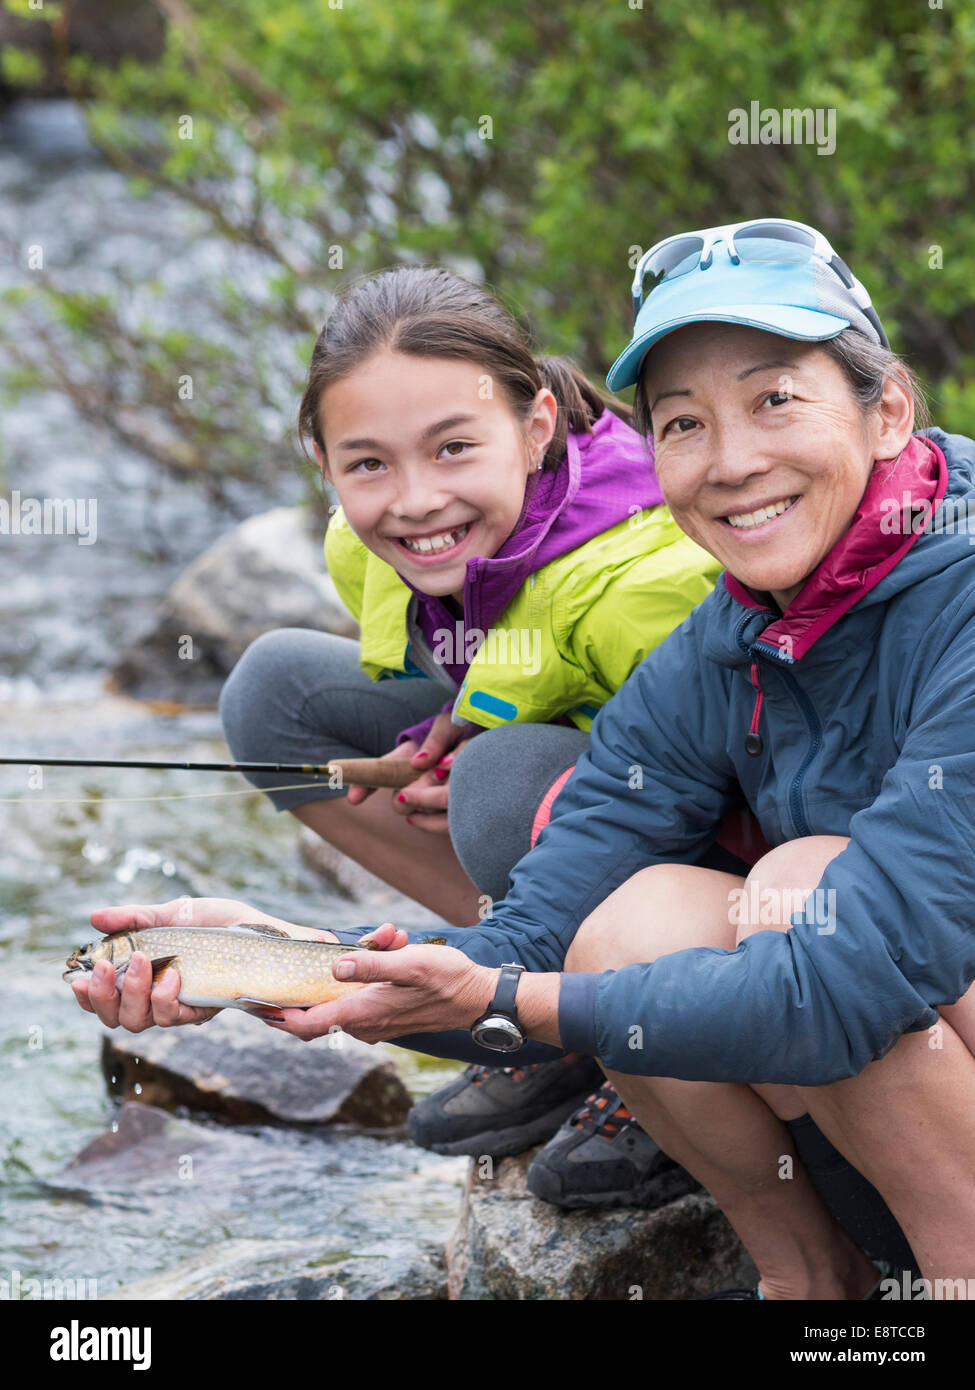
{"x":537,"y":146}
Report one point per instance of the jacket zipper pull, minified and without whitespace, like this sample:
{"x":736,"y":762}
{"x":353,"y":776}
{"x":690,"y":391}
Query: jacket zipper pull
{"x":753,"y":739}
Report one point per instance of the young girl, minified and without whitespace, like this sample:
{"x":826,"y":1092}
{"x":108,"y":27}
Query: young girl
{"x":503,"y":545}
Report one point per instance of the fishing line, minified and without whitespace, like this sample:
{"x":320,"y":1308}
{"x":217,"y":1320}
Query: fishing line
{"x":112,"y":800}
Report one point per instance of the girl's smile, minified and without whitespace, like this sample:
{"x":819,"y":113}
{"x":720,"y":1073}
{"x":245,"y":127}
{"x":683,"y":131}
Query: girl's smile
{"x":437,"y":546}
{"x":430,"y":462}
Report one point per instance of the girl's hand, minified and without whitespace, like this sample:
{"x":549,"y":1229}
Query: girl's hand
{"x":416,"y":989}
{"x":424,"y":802}
{"x":141,"y":1004}
{"x":356,"y":795}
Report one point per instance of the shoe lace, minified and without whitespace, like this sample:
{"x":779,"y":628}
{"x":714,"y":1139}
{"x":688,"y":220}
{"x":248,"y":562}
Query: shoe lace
{"x":604,"y":1113}
{"x":478,"y":1072}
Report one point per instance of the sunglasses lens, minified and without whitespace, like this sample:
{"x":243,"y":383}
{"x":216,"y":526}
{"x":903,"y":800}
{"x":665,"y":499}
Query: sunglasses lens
{"x":773,"y":241}
{"x":676,"y":258}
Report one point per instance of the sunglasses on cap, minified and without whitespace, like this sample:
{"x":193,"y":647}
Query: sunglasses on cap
{"x":771,"y":239}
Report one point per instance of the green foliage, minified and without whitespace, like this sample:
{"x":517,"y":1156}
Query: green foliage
{"x":20,"y":69}
{"x":535,"y":146}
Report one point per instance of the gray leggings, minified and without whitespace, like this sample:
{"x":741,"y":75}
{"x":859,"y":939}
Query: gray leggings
{"x":300,"y":696}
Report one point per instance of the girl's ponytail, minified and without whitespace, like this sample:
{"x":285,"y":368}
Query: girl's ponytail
{"x":580,"y":404}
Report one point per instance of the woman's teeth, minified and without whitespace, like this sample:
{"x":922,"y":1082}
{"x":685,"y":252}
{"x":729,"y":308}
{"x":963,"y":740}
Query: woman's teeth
{"x":424,"y":545}
{"x":746,"y":519}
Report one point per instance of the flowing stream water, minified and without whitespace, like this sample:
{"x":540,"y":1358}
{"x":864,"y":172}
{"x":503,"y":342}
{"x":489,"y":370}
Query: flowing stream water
{"x":84,"y":839}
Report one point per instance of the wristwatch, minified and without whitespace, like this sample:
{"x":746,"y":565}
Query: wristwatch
{"x":498,"y":1028}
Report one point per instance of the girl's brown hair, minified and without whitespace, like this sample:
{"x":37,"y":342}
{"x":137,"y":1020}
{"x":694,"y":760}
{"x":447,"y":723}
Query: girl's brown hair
{"x":427,"y":312}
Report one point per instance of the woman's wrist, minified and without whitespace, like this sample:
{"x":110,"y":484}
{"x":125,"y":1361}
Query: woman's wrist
{"x":537,"y":1004}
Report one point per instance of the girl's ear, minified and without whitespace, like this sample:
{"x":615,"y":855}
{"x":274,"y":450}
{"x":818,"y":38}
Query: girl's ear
{"x":540,"y":426}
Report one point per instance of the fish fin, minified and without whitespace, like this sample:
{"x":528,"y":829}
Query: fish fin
{"x":261,"y":928}
{"x":160,"y":964}
{"x":434,"y":941}
{"x":260,"y":1008}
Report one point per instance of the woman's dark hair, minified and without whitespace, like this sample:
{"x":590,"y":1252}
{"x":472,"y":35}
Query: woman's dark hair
{"x":864,"y":364}
{"x":427,"y":312}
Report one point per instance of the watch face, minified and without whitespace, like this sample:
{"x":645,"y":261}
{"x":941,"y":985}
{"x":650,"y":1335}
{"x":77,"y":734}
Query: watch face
{"x":500,"y":1034}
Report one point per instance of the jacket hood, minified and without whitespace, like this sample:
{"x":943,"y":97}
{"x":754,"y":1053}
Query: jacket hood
{"x":912,"y":522}
{"x":606,"y":476}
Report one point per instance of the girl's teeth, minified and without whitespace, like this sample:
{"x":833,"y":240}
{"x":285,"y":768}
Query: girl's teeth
{"x":427,"y":544}
{"x":746,"y":519}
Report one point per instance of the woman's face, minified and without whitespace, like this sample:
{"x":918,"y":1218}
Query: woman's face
{"x":428,"y":463}
{"x":761,"y":450}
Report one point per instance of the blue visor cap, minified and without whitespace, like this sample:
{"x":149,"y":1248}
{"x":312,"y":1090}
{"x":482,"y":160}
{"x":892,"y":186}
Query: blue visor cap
{"x":796,"y":298}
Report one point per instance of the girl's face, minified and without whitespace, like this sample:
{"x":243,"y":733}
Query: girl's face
{"x":429,"y":463}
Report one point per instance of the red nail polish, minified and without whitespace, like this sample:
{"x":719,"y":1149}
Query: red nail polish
{"x":440,"y":773}
{"x":409,"y":820}
{"x":402,"y":798}
{"x":422,"y":755}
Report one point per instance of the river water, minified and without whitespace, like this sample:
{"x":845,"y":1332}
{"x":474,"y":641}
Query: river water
{"x":85,"y":839}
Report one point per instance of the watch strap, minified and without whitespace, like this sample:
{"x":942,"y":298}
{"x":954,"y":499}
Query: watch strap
{"x":504,"y":996}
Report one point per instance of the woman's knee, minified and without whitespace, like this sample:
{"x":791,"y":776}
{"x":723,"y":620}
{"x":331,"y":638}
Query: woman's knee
{"x":779,"y":884}
{"x":661,"y":909}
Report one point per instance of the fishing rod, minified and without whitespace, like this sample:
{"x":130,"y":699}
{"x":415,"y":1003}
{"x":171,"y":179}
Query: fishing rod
{"x":359,"y":772}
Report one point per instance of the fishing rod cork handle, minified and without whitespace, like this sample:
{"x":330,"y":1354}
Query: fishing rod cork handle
{"x":376,"y":772}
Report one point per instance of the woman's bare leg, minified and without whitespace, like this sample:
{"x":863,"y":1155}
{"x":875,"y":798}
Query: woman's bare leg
{"x":419,"y":863}
{"x":722,"y":1133}
{"x":907,"y":1121}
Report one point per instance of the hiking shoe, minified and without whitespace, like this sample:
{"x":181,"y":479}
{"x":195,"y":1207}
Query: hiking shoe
{"x":873,"y":1295}
{"x":602,"y":1158}
{"x":502,"y":1110}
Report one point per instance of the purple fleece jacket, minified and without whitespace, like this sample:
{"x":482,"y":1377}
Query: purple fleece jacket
{"x":606,"y":476}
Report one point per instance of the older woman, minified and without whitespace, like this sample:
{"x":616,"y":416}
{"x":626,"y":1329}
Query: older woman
{"x":832,"y":676}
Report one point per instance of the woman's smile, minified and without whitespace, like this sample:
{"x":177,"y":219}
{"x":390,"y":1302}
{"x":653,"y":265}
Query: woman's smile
{"x":751,"y":408}
{"x":755,"y":521}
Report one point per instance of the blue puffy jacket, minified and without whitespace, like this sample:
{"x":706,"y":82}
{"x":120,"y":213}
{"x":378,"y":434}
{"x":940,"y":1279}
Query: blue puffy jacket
{"x":861,"y":704}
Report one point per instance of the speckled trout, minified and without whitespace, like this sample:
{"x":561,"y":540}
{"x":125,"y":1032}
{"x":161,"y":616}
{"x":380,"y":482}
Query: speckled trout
{"x":247,"y":966}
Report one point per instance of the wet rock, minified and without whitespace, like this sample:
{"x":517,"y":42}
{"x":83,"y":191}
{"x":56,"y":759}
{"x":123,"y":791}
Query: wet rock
{"x":508,"y":1245}
{"x":306,"y":1270}
{"x":149,"y":1149}
{"x":267,"y":573}
{"x":236,"y":1067}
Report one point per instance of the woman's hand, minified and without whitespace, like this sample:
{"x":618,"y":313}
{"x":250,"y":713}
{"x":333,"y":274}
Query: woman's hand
{"x":413,"y":989}
{"x":141,"y":1004}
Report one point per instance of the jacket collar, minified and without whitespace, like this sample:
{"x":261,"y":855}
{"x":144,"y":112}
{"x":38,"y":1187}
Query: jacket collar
{"x":866,"y":552}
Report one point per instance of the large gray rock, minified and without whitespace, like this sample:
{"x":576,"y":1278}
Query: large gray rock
{"x":145,"y":1149}
{"x":510,"y":1246}
{"x":267,"y":573}
{"x":235,"y":1066}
